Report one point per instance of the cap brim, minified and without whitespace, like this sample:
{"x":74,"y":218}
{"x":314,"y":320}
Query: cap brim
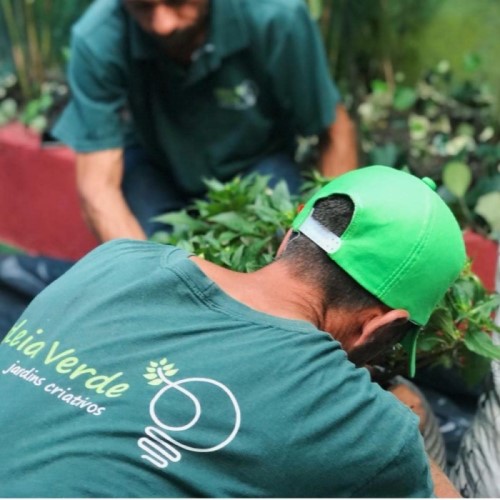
{"x":409,"y":343}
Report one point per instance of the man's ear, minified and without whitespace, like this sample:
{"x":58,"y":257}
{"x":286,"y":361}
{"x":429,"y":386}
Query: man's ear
{"x":284,"y":242}
{"x":378,"y":321}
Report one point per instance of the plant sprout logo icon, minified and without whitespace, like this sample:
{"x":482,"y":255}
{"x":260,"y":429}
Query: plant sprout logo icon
{"x":159,"y":444}
{"x":240,"y":97}
{"x":156,"y":371}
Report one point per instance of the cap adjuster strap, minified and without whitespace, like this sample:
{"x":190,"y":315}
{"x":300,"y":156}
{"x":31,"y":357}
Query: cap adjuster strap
{"x":320,"y":235}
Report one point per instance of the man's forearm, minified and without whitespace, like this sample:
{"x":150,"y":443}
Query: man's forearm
{"x":104,"y":208}
{"x":338,"y":146}
{"x":109,"y":217}
{"x":443,"y":487}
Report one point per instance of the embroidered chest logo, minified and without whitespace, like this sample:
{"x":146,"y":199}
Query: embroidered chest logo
{"x":240,"y":97}
{"x":194,"y":414}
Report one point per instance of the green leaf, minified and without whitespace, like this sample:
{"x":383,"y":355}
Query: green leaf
{"x":150,"y":376}
{"x":472,"y":61}
{"x":234,"y":222}
{"x":481,"y":343}
{"x":475,"y":368}
{"x":181,"y":218}
{"x":463,"y":294}
{"x":45,"y":102}
{"x":441,"y":320}
{"x":38,"y":124}
{"x":227,"y":236}
{"x":162,"y":237}
{"x":488,"y":306}
{"x":457,"y":177}
{"x":488,"y":206}
{"x":264,"y":212}
{"x":9,"y":108}
{"x":429,"y":343}
{"x":404,"y":98}
{"x":379,"y":86}
{"x":281,"y":197}
{"x":214,"y":185}
{"x":236,"y":259}
{"x":419,"y":126}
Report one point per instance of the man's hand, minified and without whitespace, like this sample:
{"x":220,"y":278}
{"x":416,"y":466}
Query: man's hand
{"x":338,"y":146}
{"x":443,"y":487}
{"x":412,"y":400}
{"x":99,"y":177}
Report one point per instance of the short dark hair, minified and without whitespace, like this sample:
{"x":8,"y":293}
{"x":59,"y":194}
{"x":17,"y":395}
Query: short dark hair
{"x":312,"y":264}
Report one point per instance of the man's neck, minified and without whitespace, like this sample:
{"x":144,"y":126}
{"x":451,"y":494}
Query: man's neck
{"x":271,"y":290}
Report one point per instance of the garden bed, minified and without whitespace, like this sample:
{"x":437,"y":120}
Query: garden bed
{"x":39,"y":208}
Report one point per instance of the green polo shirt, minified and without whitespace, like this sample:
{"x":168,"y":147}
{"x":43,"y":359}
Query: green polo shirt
{"x":260,"y":80}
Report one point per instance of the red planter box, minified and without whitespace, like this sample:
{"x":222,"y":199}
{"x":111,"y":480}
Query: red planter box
{"x":484,"y":255}
{"x":39,"y":208}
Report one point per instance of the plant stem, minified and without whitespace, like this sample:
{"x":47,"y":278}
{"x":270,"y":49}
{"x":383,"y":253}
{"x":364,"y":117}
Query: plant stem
{"x":33,"y":49}
{"x":16,"y":47}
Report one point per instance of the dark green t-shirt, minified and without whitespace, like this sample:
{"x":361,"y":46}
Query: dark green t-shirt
{"x":134,"y":375}
{"x":261,"y":79}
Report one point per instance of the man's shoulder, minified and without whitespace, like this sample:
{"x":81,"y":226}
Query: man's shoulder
{"x":262,"y":12}
{"x":103,"y":21}
{"x":283,"y":7}
{"x":125,"y":256}
{"x":128,"y":248}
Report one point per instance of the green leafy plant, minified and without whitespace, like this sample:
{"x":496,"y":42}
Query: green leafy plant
{"x":36,"y":113}
{"x":240,"y":225}
{"x":458,"y":334}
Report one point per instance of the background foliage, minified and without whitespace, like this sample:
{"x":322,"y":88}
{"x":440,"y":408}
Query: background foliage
{"x":442,"y":127}
{"x":375,"y":39}
{"x":34,"y":39}
{"x":365,"y":40}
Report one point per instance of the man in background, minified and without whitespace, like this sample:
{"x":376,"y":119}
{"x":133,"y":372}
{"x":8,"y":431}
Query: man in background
{"x":166,"y":93}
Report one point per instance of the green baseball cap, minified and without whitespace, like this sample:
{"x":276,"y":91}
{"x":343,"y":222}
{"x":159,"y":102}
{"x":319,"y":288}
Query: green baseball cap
{"x":403,"y":244}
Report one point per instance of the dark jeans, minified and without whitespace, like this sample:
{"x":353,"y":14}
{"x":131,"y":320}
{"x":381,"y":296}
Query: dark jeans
{"x":22,"y":277}
{"x":150,"y":191}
